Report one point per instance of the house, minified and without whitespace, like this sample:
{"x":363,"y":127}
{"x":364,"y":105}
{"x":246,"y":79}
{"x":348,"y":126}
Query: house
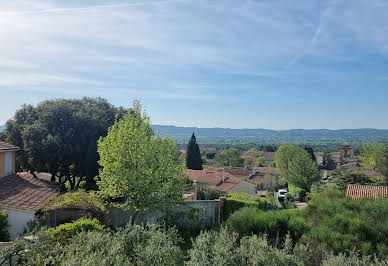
{"x":23,"y":196}
{"x":219,"y":179}
{"x":7,"y":158}
{"x":362,"y":191}
{"x":265,"y":178}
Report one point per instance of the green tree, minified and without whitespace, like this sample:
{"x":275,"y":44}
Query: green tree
{"x":285,"y":154}
{"x":193,"y":155}
{"x":137,"y":166}
{"x":59,"y":137}
{"x":328,"y":162}
{"x":302,"y":172}
{"x":376,"y":156}
{"x":229,"y":157}
{"x":260,"y":162}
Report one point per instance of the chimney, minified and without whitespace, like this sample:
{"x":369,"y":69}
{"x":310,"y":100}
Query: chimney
{"x":195,"y":189}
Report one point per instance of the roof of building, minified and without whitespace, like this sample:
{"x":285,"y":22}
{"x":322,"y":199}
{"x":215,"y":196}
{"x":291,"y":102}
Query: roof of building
{"x":269,"y":156}
{"x":206,"y":149}
{"x":222,"y":181}
{"x":22,"y":191}
{"x":8,"y":147}
{"x":362,"y":191}
{"x":268,"y":170}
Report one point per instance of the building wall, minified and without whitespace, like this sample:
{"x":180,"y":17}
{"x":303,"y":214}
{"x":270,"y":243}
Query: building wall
{"x":17,"y":221}
{"x":244,"y":186}
{"x":2,"y":164}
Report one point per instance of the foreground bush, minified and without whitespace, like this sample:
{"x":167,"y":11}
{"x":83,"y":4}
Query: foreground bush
{"x":64,"y":232}
{"x":230,"y":205}
{"x":4,"y":236}
{"x":275,"y":224}
{"x":223,"y":248}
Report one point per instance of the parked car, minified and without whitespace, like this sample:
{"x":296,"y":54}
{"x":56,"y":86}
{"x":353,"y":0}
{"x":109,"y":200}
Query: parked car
{"x":282,"y":194}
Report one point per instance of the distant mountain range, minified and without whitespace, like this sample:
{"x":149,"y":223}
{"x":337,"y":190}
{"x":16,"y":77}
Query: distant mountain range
{"x":182,"y":134}
{"x":274,"y":136}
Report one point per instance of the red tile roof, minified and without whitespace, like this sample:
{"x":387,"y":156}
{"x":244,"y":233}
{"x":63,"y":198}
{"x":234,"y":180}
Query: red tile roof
{"x":214,"y":176}
{"x":269,"y":156}
{"x":8,"y":147}
{"x":360,"y":191}
{"x":268,"y":170}
{"x":24,"y":192}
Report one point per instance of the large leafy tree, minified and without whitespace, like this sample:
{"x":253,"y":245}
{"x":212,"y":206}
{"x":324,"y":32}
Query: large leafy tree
{"x":193,"y":155}
{"x":229,"y":157}
{"x":137,"y":167}
{"x":285,"y":154}
{"x":60,"y":136}
{"x":302,"y":172}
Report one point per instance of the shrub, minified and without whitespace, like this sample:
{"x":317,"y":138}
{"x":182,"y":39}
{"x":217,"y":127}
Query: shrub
{"x":64,"y":232}
{"x":88,"y":201}
{"x":230,"y":205}
{"x":4,"y":236}
{"x":275,"y":224}
{"x":223,"y":248}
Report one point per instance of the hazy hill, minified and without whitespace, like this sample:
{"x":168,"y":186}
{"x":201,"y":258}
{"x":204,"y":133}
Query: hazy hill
{"x":276,"y":136}
{"x":2,"y":128}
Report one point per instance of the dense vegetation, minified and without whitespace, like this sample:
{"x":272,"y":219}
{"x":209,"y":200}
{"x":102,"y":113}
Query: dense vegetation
{"x":60,"y":137}
{"x":138,"y":169}
{"x":4,"y":236}
{"x":330,"y":223}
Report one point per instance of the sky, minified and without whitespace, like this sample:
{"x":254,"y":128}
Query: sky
{"x":237,"y":64}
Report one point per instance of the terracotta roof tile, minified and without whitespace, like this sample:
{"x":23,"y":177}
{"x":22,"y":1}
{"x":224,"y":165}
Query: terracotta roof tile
{"x":213,"y":176}
{"x":24,"y":192}
{"x":361,"y":191}
{"x":8,"y":147}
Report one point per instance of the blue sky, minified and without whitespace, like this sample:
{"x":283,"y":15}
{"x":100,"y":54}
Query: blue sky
{"x":239,"y":64}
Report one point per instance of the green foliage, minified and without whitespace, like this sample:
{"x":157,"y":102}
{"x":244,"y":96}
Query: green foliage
{"x":88,"y":201}
{"x":274,"y":224}
{"x":328,"y":162}
{"x":185,"y":220}
{"x":352,"y":259}
{"x":302,"y":171}
{"x":340,"y":180}
{"x":260,"y":162}
{"x":340,"y":224}
{"x":285,"y":154}
{"x":229,"y":157}
{"x":64,"y":232}
{"x":209,"y":194}
{"x":376,"y":156}
{"x":230,"y":205}
{"x":193,"y":155}
{"x":4,"y":236}
{"x":138,"y":167}
{"x":58,"y":134}
{"x":223,"y":248}
{"x":132,"y":245}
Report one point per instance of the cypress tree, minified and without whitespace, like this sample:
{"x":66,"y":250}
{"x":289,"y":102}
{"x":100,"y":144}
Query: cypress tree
{"x":193,"y":155}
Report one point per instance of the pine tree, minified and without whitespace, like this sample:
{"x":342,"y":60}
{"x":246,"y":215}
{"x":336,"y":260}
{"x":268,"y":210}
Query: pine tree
{"x":193,"y":155}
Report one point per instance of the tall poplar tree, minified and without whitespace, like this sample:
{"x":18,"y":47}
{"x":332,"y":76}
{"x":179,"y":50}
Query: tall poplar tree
{"x":193,"y":155}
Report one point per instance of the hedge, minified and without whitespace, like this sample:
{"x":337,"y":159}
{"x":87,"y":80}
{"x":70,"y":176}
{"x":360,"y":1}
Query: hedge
{"x":4,"y":236}
{"x":230,"y":205}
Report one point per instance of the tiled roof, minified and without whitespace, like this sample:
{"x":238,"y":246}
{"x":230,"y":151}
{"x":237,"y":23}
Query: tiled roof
{"x":360,"y":191}
{"x":24,"y":192}
{"x":8,"y":147}
{"x":213,"y":176}
{"x":205,"y":149}
{"x":269,"y":156}
{"x":268,"y":170}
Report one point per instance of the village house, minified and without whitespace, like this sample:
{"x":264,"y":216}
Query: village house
{"x":21,"y":195}
{"x":220,"y":180}
{"x":7,"y":159}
